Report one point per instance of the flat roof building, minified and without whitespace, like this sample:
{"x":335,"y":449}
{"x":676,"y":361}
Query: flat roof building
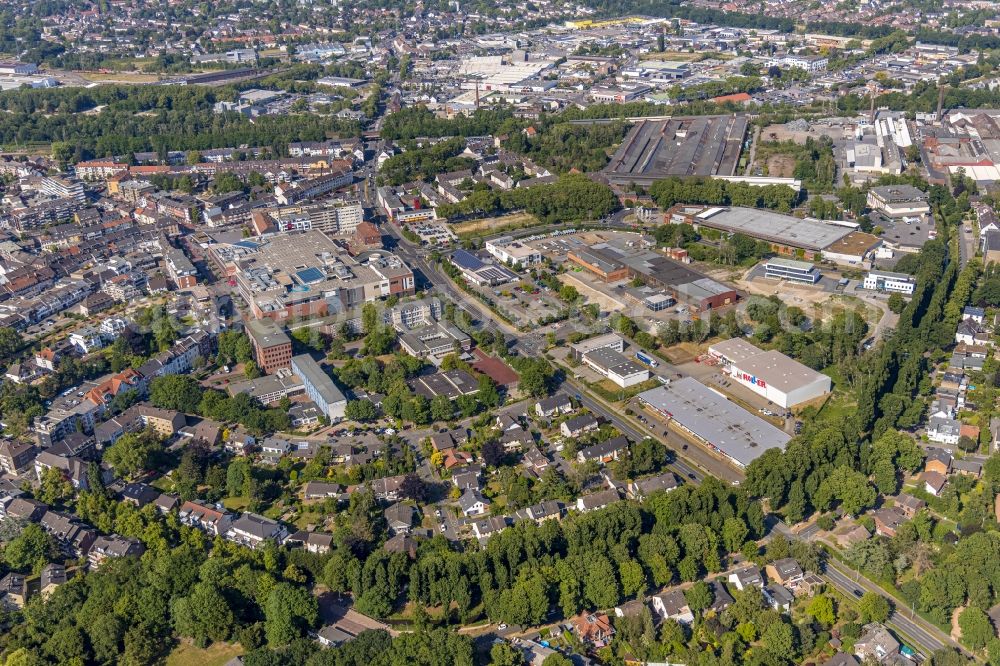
{"x":271,"y":347}
{"x":712,"y":419}
{"x":803,"y":272}
{"x":782,"y":380}
{"x":899,"y":201}
{"x":899,"y":283}
{"x":320,"y":387}
{"x":616,"y":367}
{"x":679,"y":146}
{"x":786,"y":234}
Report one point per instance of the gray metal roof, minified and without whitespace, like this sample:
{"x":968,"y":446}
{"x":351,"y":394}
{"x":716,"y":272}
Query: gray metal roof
{"x":774,"y":227}
{"x":708,"y":415}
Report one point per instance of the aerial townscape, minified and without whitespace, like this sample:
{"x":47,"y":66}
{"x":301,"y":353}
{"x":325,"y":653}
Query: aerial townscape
{"x":535,"y":333}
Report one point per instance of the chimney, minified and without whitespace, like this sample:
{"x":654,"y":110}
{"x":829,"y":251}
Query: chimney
{"x":477,"y":95}
{"x":940,"y":102}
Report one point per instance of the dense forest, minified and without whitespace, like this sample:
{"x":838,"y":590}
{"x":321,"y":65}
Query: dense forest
{"x":572,"y":198}
{"x":126,"y":119}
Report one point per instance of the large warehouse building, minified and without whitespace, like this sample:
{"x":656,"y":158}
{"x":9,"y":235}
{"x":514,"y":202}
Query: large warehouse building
{"x":780,"y":379}
{"x":715,"y":421}
{"x":679,"y":146}
{"x":787,"y":235}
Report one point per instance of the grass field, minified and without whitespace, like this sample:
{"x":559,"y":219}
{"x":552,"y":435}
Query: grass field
{"x":493,"y":225}
{"x":235,"y":503}
{"x":121,"y":77}
{"x":216,"y":654}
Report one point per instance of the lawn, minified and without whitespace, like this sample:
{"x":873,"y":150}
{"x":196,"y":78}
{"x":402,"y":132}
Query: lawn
{"x":216,"y":654}
{"x":494,"y":225}
{"x":236,"y":503}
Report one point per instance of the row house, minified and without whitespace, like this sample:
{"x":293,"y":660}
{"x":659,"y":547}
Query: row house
{"x":212,"y":521}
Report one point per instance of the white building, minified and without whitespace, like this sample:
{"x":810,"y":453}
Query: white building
{"x":512,"y":252}
{"x":899,"y":283}
{"x":771,"y":374}
{"x":897,"y":201}
{"x":616,"y":367}
{"x":789,"y":269}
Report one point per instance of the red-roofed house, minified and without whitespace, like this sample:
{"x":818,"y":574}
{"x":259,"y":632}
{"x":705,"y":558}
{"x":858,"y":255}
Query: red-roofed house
{"x":736,"y":98}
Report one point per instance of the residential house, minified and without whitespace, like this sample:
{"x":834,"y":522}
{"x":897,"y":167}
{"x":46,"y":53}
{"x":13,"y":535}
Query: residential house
{"x":723,"y":599}
{"x":254,"y":531}
{"x":314,"y":542}
{"x":597,"y":500}
{"x":516,"y":440}
{"x":672,"y":605}
{"x":16,"y":457}
{"x":778,"y":597}
{"x":215,"y":522}
{"x":545,"y":510}
{"x":934,"y":482}
{"x":745,"y":577}
{"x":938,"y":460}
{"x":944,"y":431}
{"x":604,"y":452}
{"x":579,"y":425}
{"x":399,"y":517}
{"x":138,"y":494}
{"x":401,"y":543}
{"x":313,"y":491}
{"x":466,"y":480}
{"x":908,"y":505}
{"x":506,"y":422}
{"x":535,"y":461}
{"x":841,"y":659}
{"x":786,"y":572}
{"x":876,"y":643}
{"x":26,"y":509}
{"x":968,"y":467}
{"x":13,"y":591}
{"x":473,"y":503}
{"x":972,"y":313}
{"x":106,"y":547}
{"x":641,"y":489}
{"x":53,"y":576}
{"x":73,"y":537}
{"x":486,"y":527}
{"x":593,"y":628}
{"x":554,"y":406}
{"x":887,"y":521}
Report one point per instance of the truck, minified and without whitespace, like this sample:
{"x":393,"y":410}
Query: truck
{"x":643,"y":357}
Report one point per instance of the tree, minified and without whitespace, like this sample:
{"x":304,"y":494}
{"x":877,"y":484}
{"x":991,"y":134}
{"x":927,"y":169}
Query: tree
{"x":288,"y":613}
{"x":31,"y":548}
{"x":55,"y":487}
{"x":699,"y":596}
{"x":504,"y":654}
{"x":204,"y":615}
{"x":976,"y":627}
{"x":361,"y":410}
{"x":873,"y":607}
{"x":492,"y":453}
{"x":821,"y":608}
{"x":414,"y":488}
{"x":556,"y":659}
{"x":442,"y":409}
{"x":966,"y":443}
{"x":896,"y":302}
{"x":180,"y":392}
{"x":133,"y":453}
